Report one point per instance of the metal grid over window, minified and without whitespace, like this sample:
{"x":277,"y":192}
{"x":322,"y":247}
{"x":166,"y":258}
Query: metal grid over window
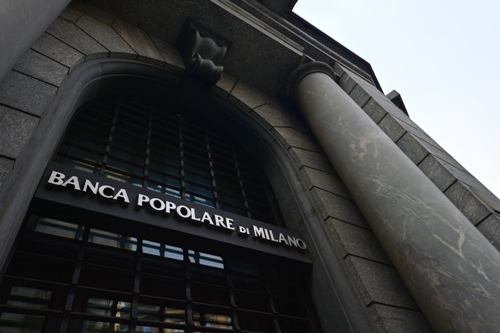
{"x":70,"y":277}
{"x":160,"y":150}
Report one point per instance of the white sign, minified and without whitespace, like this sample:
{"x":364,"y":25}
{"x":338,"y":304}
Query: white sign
{"x":183,"y":212}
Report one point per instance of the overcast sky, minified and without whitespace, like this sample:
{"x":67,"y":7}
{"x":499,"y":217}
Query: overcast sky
{"x":442,"y":56}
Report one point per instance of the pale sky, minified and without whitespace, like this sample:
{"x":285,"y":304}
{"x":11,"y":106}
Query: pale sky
{"x":442,"y":56}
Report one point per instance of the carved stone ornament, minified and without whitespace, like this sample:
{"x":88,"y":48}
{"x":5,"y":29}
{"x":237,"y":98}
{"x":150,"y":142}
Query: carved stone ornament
{"x":202,"y":51}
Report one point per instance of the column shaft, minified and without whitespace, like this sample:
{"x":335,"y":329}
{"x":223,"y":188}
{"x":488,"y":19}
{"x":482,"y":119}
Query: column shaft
{"x":452,"y":271}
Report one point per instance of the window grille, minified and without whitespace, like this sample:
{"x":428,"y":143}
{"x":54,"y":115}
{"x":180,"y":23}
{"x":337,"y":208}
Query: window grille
{"x":164,"y":150}
{"x":70,"y":277}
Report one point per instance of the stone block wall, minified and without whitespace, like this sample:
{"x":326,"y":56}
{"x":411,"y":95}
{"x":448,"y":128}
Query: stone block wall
{"x":81,"y":33}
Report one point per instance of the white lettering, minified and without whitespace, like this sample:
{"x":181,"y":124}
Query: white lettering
{"x":104,"y":188}
{"x":157,"y":204}
{"x":142,"y":199}
{"x":206,"y":217}
{"x":271,"y":237}
{"x":88,"y":185}
{"x":301,"y":244}
{"x":186,"y":214}
{"x":183,"y":212}
{"x":219,"y":221}
{"x":56,"y":178}
{"x":169,"y":206}
{"x":193,"y":215}
{"x":258,"y":232}
{"x":282,"y":239}
{"x":292,"y":241}
{"x":267,"y":233}
{"x":122,"y":194}
{"x":72,"y":181}
{"x":229,"y":224}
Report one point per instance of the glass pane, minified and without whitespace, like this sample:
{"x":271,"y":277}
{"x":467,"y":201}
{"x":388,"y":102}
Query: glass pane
{"x":59,"y":228}
{"x":210,"y":294}
{"x":174,"y":252}
{"x":20,"y":323}
{"x":199,"y":200}
{"x":240,"y":211}
{"x":29,"y":297}
{"x":112,"y":239}
{"x":151,"y":329}
{"x":291,"y":307}
{"x":103,"y":327}
{"x":173,"y":289}
{"x":127,"y":156}
{"x":293,"y":325}
{"x":148,"y":312}
{"x":89,"y":167}
{"x":122,"y":168}
{"x":119,"y":176}
{"x":210,"y":319}
{"x":162,"y":313}
{"x":162,"y":183}
{"x":205,"y":259}
{"x":108,"y":307}
{"x":152,"y":248}
{"x":92,"y":276}
{"x":255,"y":322}
{"x":162,"y":250}
{"x":244,"y":268}
{"x":84,"y":155}
{"x":252,"y":301}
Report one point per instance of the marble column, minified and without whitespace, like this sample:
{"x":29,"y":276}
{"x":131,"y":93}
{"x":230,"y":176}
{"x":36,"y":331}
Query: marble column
{"x":22,"y":22}
{"x":450,"y":268}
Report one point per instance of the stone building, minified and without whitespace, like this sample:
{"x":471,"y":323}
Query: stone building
{"x":223,"y":166}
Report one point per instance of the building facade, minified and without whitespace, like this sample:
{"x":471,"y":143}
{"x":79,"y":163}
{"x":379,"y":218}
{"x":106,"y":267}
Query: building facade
{"x":224,"y":166}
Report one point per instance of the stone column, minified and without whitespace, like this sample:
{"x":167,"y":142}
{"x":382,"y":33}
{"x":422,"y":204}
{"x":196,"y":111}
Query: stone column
{"x":22,"y":22}
{"x":450,"y":268}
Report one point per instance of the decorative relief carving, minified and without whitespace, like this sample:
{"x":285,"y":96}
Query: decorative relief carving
{"x":202,"y":51}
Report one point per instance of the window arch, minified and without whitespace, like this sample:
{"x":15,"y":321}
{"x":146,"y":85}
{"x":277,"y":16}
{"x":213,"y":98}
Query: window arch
{"x":134,"y":281}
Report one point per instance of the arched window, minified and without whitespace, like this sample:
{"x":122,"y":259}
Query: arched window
{"x":70,"y":274}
